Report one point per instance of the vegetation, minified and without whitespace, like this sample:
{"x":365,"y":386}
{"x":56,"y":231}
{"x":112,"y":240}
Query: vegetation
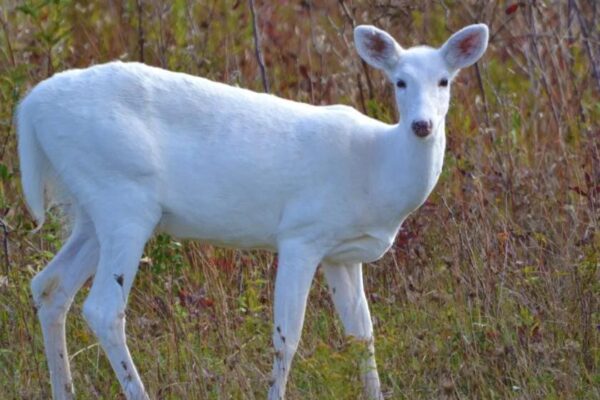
{"x":492,"y":289}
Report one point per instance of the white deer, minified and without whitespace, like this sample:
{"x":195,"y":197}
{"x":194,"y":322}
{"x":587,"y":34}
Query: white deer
{"x":135,"y":149}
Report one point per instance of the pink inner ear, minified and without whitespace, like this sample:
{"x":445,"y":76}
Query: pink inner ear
{"x":376,"y":45}
{"x":467,"y":45}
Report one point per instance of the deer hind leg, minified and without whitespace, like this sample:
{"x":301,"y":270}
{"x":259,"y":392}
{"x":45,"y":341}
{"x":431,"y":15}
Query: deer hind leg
{"x":53,"y":291}
{"x":122,"y":237}
{"x":346,"y":287}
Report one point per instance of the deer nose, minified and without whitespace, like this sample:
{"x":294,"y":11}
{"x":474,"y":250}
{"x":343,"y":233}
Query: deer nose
{"x":422,"y":128}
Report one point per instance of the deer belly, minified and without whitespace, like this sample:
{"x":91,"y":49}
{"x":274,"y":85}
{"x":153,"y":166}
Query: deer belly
{"x":364,"y":248}
{"x":222,"y":227}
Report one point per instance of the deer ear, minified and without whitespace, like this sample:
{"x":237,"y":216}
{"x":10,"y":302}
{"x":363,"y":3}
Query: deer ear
{"x":466,"y":46}
{"x":376,"y":47}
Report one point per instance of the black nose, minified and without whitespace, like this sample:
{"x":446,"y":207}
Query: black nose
{"x":422,"y":128}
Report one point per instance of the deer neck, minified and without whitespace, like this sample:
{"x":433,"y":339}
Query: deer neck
{"x":411,"y":167}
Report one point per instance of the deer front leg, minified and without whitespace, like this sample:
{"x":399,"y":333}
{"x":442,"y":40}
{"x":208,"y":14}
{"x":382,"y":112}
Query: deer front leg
{"x":297,"y":266}
{"x":346,"y":287}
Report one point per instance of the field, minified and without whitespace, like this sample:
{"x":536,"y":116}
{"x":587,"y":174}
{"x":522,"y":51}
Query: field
{"x":492,"y":288}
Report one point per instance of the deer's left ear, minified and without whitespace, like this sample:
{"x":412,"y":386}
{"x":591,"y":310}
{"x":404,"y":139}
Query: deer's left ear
{"x":466,"y":46}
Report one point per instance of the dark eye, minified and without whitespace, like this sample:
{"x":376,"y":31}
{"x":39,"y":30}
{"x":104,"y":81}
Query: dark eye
{"x":401,"y":84}
{"x":443,"y":82}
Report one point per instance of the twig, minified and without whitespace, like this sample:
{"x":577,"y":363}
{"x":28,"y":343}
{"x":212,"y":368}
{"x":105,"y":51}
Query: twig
{"x":361,"y":94}
{"x":586,"y":40}
{"x":347,"y":13}
{"x":162,"y":48}
{"x":315,"y":48}
{"x":483,"y":98}
{"x":363,"y":63}
{"x":259,"y":56}
{"x":11,"y":54}
{"x":501,"y":28}
{"x":141,"y":39}
{"x":4,"y":228}
{"x":78,"y":352}
{"x":200,"y":56}
{"x":543,"y":78}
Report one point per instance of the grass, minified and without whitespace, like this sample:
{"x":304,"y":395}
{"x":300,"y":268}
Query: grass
{"x":491,"y":289}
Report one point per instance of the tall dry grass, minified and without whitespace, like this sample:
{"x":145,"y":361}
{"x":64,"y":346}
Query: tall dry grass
{"x":491,"y":290}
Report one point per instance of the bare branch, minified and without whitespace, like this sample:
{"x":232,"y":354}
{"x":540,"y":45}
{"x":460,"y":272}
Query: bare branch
{"x":5,"y":231}
{"x":11,"y":54}
{"x":586,"y":42}
{"x":352,"y":21}
{"x":141,"y":39}
{"x":259,"y":56}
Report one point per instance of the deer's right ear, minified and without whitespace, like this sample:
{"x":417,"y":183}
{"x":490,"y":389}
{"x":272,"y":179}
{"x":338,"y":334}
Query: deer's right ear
{"x":376,"y":47}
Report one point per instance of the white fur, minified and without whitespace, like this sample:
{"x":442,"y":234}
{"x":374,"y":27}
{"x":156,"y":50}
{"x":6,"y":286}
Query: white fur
{"x":137,"y":149}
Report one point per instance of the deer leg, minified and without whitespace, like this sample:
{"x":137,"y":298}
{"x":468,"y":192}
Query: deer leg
{"x":104,"y":308}
{"x":346,"y":287}
{"x":53,"y":291}
{"x":297,"y":267}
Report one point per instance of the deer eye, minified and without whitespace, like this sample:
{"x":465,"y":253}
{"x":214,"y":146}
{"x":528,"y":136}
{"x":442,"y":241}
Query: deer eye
{"x":401,"y":84}
{"x":443,"y":82}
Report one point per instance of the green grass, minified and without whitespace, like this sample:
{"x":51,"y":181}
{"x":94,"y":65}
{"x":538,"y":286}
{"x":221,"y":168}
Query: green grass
{"x":491,"y":289}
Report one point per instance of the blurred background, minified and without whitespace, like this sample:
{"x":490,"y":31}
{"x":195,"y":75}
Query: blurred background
{"x":492,"y":288}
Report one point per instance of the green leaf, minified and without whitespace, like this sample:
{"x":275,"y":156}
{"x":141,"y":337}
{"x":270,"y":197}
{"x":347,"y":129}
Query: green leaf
{"x":27,"y":10}
{"x":4,"y":173}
